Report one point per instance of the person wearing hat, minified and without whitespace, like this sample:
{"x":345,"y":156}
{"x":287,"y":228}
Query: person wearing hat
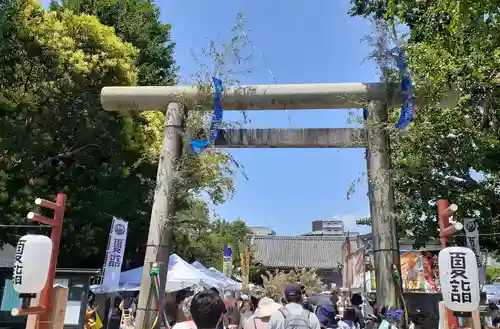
{"x":327,"y":317}
{"x":262,"y":315}
{"x":293,"y":315}
{"x":491,"y":315}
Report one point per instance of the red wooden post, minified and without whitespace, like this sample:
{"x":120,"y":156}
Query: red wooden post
{"x":44,"y":307}
{"x":446,"y":230}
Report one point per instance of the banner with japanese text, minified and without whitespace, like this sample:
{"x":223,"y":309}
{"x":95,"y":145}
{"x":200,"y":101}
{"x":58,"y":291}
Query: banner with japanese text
{"x":114,"y":253}
{"x":227,"y":261}
{"x":472,"y":239}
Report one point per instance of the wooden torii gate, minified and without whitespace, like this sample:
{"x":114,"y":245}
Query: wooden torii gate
{"x":376,"y":97}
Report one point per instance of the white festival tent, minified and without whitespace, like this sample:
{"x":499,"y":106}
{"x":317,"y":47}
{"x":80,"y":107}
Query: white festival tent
{"x":180,"y":275}
{"x":238,"y":286}
{"x":229,"y":284}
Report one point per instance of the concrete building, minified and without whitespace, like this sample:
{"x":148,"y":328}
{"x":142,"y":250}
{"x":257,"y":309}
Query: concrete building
{"x":335,"y":227}
{"x":261,"y":230}
{"x":329,"y":228}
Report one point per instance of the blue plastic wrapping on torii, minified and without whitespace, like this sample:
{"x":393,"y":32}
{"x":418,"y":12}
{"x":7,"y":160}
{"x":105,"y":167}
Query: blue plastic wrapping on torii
{"x":407,"y":109}
{"x":200,"y":144}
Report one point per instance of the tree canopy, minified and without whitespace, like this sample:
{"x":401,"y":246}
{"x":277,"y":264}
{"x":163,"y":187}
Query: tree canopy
{"x":448,"y":153}
{"x":137,"y":22}
{"x":56,"y":137}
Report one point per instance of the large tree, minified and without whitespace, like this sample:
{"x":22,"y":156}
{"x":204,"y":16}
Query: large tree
{"x":56,"y":137}
{"x":449,"y":153}
{"x":137,"y":22}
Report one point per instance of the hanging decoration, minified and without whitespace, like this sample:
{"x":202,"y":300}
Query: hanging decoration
{"x":199,"y":145}
{"x":31,"y":263}
{"x":408,"y":108}
{"x":154,"y":273}
{"x":396,"y":276}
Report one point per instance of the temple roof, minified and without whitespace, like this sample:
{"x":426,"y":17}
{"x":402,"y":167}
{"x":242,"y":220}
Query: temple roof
{"x":318,"y":252}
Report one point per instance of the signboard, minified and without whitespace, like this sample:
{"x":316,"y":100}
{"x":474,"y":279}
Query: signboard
{"x":459,"y":279}
{"x":472,"y":237}
{"x":227,"y":261}
{"x":419,"y":272}
{"x":114,"y":253}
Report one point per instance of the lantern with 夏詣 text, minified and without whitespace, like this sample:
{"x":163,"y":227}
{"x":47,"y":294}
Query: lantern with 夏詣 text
{"x":31,"y":264}
{"x":459,"y":279}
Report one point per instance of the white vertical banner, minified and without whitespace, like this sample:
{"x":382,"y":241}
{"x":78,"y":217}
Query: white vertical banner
{"x":114,"y":253}
{"x":472,"y":237}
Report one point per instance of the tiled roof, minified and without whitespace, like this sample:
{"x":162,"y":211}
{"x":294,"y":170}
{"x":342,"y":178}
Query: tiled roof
{"x":7,"y":253}
{"x":318,"y":252}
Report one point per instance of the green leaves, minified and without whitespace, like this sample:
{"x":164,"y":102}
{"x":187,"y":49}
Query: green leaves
{"x":137,"y":22}
{"x":199,"y":237}
{"x":55,"y":137}
{"x":449,"y":153}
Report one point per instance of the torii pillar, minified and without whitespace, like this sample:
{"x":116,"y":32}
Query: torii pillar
{"x":374,"y":137}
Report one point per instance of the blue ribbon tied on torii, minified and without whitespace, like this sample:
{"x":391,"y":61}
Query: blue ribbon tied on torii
{"x":407,"y":109}
{"x":198,"y":145}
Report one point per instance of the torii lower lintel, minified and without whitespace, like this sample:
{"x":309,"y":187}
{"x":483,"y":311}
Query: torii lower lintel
{"x":292,"y":138}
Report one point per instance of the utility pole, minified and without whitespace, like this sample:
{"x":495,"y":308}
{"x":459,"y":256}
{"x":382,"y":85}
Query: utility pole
{"x":160,"y":227}
{"x":381,"y":195}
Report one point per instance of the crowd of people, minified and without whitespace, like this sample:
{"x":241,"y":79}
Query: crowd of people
{"x":492,"y":317}
{"x":208,"y":310}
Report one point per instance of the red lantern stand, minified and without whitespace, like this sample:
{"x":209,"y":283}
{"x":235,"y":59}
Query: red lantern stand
{"x":42,"y":310}
{"x":446,"y":230}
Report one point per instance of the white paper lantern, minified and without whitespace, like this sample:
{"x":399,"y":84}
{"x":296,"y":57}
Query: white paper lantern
{"x":459,"y":279}
{"x":31,"y":264}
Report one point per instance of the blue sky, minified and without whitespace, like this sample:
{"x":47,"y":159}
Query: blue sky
{"x":301,"y":43}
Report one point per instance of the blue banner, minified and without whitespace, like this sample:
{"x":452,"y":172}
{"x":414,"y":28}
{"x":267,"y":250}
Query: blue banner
{"x":200,"y":144}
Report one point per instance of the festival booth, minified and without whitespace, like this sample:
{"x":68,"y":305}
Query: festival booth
{"x":228,"y":283}
{"x":238,"y":286}
{"x":180,"y":275}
